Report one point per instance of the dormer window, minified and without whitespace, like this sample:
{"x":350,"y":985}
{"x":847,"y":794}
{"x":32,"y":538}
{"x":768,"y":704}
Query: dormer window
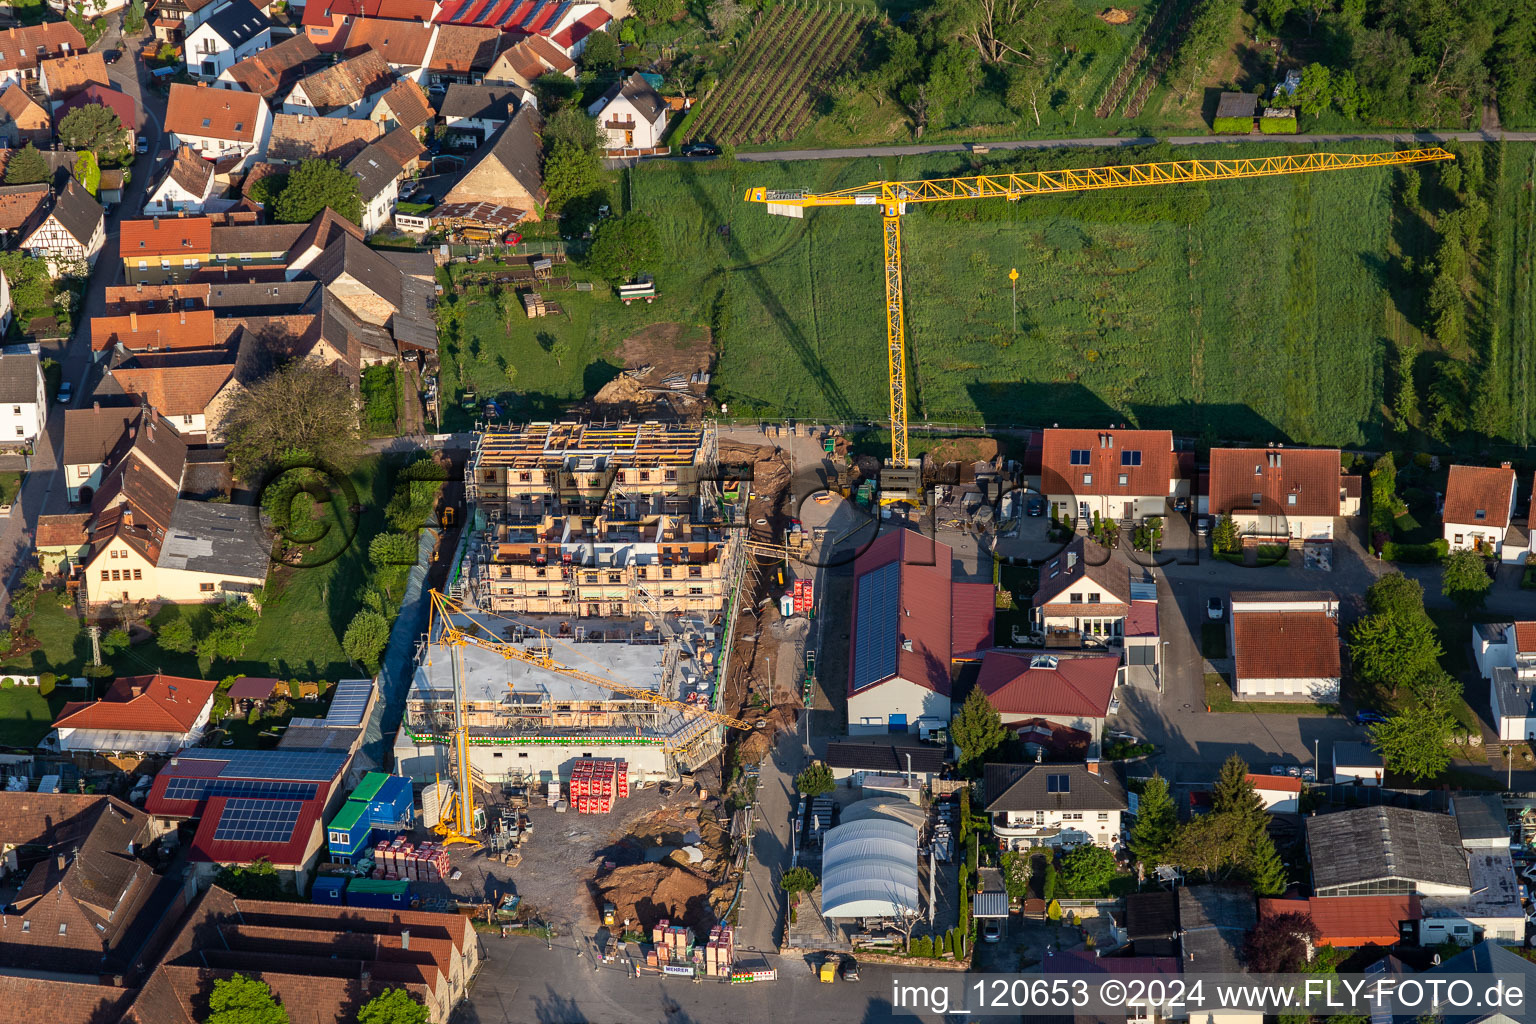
{"x":1480,"y":514}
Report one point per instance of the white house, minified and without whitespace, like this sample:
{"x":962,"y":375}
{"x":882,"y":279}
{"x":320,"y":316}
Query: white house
{"x":631,"y":114}
{"x":185,"y":187}
{"x":1053,"y":688}
{"x":1357,"y":762}
{"x":217,"y":123}
{"x":1281,"y":793}
{"x":1505,"y":653}
{"x":378,"y":169}
{"x":1082,"y":594}
{"x":349,"y":89}
{"x":911,"y":623}
{"x":23,"y":394}
{"x":1114,"y":474}
{"x":71,"y":236}
{"x":1285,"y":645}
{"x":481,"y":108}
{"x":1479,"y":510}
{"x":233,"y":33}
{"x":1059,"y":805}
{"x":155,"y":714}
{"x":1280,"y":493}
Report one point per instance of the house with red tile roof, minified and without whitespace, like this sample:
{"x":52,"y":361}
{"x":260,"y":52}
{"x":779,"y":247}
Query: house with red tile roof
{"x":1285,"y":645}
{"x":1059,"y":687}
{"x":529,"y":59}
{"x":1281,"y":793}
{"x":1349,"y":922}
{"x":1480,"y":511}
{"x":23,"y":120}
{"x":912,"y":620}
{"x":328,"y":23}
{"x":565,"y":25}
{"x":1281,"y":494}
{"x":23,"y":49}
{"x":1111,"y":473}
{"x":1083,"y":592}
{"x":218,"y":123}
{"x":156,"y":714}
{"x":180,"y":385}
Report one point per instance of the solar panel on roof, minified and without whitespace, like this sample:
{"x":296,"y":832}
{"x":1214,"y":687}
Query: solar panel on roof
{"x":197,"y":789}
{"x":532,"y":16}
{"x":458,"y":13}
{"x":258,"y":821}
{"x":349,"y":703}
{"x":512,"y":5}
{"x":307,"y":765}
{"x":876,"y":625}
{"x":554,"y":19}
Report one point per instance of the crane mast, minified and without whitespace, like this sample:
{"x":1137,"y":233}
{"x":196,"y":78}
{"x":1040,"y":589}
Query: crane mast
{"x":893,"y":197}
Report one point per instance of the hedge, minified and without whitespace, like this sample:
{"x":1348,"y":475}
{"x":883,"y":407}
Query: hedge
{"x":1232,"y":125}
{"x":1278,"y":125}
{"x":1434,"y":551}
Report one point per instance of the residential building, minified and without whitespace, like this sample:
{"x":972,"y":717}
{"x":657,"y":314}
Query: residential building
{"x":206,"y":553}
{"x":184,"y":330}
{"x":1349,"y":922}
{"x":1108,"y":474}
{"x":1082,"y":594}
{"x":185,"y":187}
{"x":320,"y":965}
{"x":250,"y":804}
{"x":404,"y":45}
{"x":70,"y":235}
{"x":120,"y":103}
{"x":223,"y":124}
{"x":1466,"y":885}
{"x":911,"y":622}
{"x":349,"y":88}
{"x":272,"y":72}
{"x":23,"y":395}
{"x":630,"y":114}
{"x":1479,"y":511}
{"x":1358,"y":763}
{"x":857,"y":758}
{"x":478,"y":108}
{"x":463,"y":53}
{"x":1505,"y":653}
{"x":329,"y":22}
{"x":234,"y":32}
{"x":23,"y":49}
{"x":1281,"y":494}
{"x":164,"y":250}
{"x":1054,"y":687}
{"x":566,"y":26}
{"x":375,"y":301}
{"x":379,"y":170}
{"x":62,"y":77}
{"x":175,"y":19}
{"x":1057,"y":805}
{"x":156,"y":714}
{"x":406,"y":106}
{"x":82,"y":908}
{"x":528,"y":60}
{"x":299,"y":137}
{"x":1495,"y":960}
{"x":180,"y":385}
{"x":22,"y":120}
{"x":1281,"y":794}
{"x":143,"y":298}
{"x":90,"y":438}
{"x":506,"y":170}
{"x":1285,"y":645}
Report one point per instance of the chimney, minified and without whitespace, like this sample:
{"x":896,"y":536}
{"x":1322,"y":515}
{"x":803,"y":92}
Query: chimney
{"x":1092,"y":766}
{"x":1504,"y":465}
{"x":96,"y":408}
{"x":156,"y":220}
{"x":136,"y":689}
{"x":405,"y":938}
{"x":133,"y":323}
{"x":128,"y":521}
{"x":59,"y":861}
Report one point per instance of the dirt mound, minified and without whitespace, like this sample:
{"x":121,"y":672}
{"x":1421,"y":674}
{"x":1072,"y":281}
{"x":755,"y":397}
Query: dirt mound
{"x":647,"y":893}
{"x":755,"y":746}
{"x":964,"y":449}
{"x":1116,"y":15}
{"x":670,"y":348}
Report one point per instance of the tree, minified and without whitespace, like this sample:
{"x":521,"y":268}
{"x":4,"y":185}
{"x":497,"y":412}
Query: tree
{"x":572,"y":125}
{"x":1088,"y":870}
{"x":234,"y":625}
{"x":1465,"y":580}
{"x":1224,"y":537}
{"x":318,"y":185}
{"x":1015,"y":865}
{"x":255,"y":881}
{"x":114,"y":641}
{"x":1156,"y":821}
{"x":894,"y":64}
{"x":1234,"y":795}
{"x":242,"y":1000}
{"x":797,"y":880}
{"x":1281,"y":944}
{"x":393,"y":1006}
{"x":392,"y":549}
{"x":510,"y":372}
{"x":88,"y":172}
{"x":653,"y":11}
{"x":1413,"y":741}
{"x":1393,"y":648}
{"x":725,"y":15}
{"x":560,"y":350}
{"x":816,"y":780}
{"x":621,"y":246}
{"x":95,"y":128}
{"x":1266,"y":871}
{"x":1315,"y":93}
{"x":601,"y":53}
{"x":265,"y":190}
{"x":571,"y":173}
{"x":133,"y":18}
{"x":302,"y":408}
{"x":1212,"y":844}
{"x":977,"y":730}
{"x":1395,"y":594}
{"x":366,"y":637}
{"x":26,"y":167}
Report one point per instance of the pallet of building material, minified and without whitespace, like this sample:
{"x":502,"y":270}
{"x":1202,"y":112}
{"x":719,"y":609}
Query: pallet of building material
{"x":533,"y":303}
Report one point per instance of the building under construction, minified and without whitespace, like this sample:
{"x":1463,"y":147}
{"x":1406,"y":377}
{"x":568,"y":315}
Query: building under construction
{"x":530,"y":722}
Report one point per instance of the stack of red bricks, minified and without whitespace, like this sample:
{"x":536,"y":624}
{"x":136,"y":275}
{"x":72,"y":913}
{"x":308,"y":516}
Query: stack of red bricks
{"x":595,"y":784}
{"x":719,"y":952}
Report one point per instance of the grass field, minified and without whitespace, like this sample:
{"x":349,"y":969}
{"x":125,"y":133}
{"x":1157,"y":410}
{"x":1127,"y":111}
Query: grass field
{"x":1218,"y":696}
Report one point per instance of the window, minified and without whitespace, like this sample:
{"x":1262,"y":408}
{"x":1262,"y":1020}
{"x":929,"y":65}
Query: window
{"x":1480,"y":514}
{"x":1257,"y":498}
{"x":15,"y":410}
{"x":117,"y":575}
{"x":206,"y":122}
{"x":20,"y":432}
{"x":186,"y":419}
{"x":496,"y":753}
{"x":105,"y":576}
{"x":1458,"y":538}
{"x":1124,"y":479}
{"x":1087,"y":478}
{"x":1130,"y":458}
{"x":1103,"y":815}
{"x":165,"y":264}
{"x":1290,"y":499}
{"x":26,"y":926}
{"x":1093,"y":598}
{"x":1058,"y":783}
{"x":143,"y":264}
{"x":525,"y":478}
{"x":62,"y":927}
{"x":1077,"y":598}
{"x":206,"y":588}
{"x":1082,"y":456}
{"x":138,"y":574}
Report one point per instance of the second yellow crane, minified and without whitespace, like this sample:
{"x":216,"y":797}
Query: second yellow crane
{"x":893,"y":197}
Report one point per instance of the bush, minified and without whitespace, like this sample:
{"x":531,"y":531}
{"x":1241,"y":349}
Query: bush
{"x":176,"y":636}
{"x":1424,"y":554}
{"x":45,"y":683}
{"x":1278,"y":125}
{"x":7,"y":683}
{"x":1227,"y":125}
{"x":366,"y":637}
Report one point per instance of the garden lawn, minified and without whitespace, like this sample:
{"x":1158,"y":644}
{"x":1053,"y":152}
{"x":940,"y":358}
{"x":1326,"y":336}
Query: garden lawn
{"x":26,"y":716}
{"x":65,"y":649}
{"x":1218,"y":694}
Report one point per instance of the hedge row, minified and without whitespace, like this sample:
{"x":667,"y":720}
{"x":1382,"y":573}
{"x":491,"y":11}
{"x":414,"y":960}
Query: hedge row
{"x":1232,"y":125}
{"x":1278,"y":125}
{"x":1434,"y":551}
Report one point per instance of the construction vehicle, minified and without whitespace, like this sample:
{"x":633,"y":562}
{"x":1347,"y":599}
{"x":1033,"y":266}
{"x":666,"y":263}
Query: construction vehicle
{"x":826,"y":972}
{"x":609,"y":914}
{"x":900,"y":478}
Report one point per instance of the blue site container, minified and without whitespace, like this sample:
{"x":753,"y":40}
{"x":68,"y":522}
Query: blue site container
{"x":328,"y":890}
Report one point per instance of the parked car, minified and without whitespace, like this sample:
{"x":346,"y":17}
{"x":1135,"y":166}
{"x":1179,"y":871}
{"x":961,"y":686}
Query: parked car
{"x":850,"y":970}
{"x":1294,"y":771}
{"x":1114,"y":705}
{"x":1036,"y":506}
{"x":1181,"y":504}
{"x":1213,"y":609}
{"x":991,"y":932}
{"x":143,"y":146}
{"x":1203,"y":525}
{"x":111,"y":56}
{"x":1309,"y":775}
{"x":66,"y":392}
{"x":1277,"y":769}
{"x":1365,"y":716}
{"x":699,"y":149}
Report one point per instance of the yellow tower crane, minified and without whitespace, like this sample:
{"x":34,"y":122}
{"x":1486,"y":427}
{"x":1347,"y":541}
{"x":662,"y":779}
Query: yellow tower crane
{"x":892,"y":198}
{"x":460,"y":824}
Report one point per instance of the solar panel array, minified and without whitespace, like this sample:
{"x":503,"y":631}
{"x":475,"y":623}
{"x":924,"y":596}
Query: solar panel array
{"x":349,"y":703}
{"x":258,"y":821}
{"x":197,"y":789}
{"x":876,"y":625}
{"x":306,"y":765}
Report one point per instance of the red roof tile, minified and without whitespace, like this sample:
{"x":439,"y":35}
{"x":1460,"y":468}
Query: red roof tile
{"x":1525,"y":637}
{"x":1312,"y":477}
{"x":231,"y":114}
{"x":1278,"y":783}
{"x":1141,"y":620}
{"x":184,"y":329}
{"x":162,"y":236}
{"x":1471,"y":489}
{"x":142,"y":704}
{"x":973,"y":614}
{"x":589,"y":23}
{"x":1143,"y":457}
{"x":1286,"y":645}
{"x":1018,"y":684}
{"x":1351,"y":921}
